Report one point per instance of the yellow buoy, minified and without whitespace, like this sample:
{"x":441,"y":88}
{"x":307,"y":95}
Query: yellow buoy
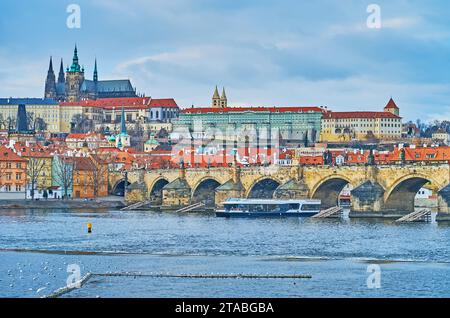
{"x":89,"y":227}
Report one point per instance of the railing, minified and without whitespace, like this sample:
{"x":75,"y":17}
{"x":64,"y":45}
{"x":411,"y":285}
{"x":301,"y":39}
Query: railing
{"x":135,"y":205}
{"x":191,"y":207}
{"x":333,"y":211}
{"x":421,"y":215}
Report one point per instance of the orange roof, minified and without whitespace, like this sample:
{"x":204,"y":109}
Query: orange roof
{"x":163,"y":102}
{"x":391,"y":105}
{"x":83,"y":164}
{"x":7,"y":154}
{"x":34,"y":150}
{"x":126,"y":103}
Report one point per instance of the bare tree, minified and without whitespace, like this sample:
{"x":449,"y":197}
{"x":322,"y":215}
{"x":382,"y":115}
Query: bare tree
{"x":3,"y":168}
{"x":11,"y":122}
{"x":98,"y":175}
{"x":137,"y":136}
{"x":81,"y":124}
{"x":34,"y":171}
{"x":63,"y":173}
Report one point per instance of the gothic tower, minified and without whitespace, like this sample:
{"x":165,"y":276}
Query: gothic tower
{"x":223,"y":99}
{"x":61,"y":78}
{"x":50,"y":84}
{"x":74,"y":79}
{"x":61,"y":85}
{"x":123,"y":139}
{"x":216,"y":99}
{"x":392,"y":108}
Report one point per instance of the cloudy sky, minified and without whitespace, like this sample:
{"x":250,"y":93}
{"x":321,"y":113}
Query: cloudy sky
{"x":282,"y":53}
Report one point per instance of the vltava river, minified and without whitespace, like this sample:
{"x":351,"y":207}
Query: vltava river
{"x":36,"y":248}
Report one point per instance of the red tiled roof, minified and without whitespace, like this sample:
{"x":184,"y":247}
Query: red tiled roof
{"x":33,"y":151}
{"x":344,"y":115}
{"x":391,"y":105}
{"x":129,"y":102}
{"x":83,"y":164}
{"x":7,"y":154}
{"x":252,"y":109}
{"x":163,"y":102}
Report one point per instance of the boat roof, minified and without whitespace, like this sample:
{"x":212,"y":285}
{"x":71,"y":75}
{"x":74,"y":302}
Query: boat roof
{"x":269,"y":201}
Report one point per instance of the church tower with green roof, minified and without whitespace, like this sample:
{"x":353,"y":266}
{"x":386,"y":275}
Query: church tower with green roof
{"x":123,"y":139}
{"x":74,"y":79}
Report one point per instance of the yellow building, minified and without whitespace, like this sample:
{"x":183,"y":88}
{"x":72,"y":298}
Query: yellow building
{"x":46,"y":109}
{"x":347,"y":126}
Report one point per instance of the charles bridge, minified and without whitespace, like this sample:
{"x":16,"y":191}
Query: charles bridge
{"x":378,"y":190}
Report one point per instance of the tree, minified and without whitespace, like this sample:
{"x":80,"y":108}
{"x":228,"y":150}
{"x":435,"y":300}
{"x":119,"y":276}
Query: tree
{"x":81,"y":124}
{"x":3,"y":168}
{"x":137,"y":136}
{"x":40,"y":124}
{"x":63,"y":173}
{"x":34,"y":170}
{"x":98,"y":174}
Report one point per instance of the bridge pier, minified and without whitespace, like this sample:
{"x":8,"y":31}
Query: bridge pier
{"x":444,"y":204}
{"x":136,"y":191}
{"x":294,"y":188}
{"x":177,"y":194}
{"x":367,"y":200}
{"x":233,"y":188}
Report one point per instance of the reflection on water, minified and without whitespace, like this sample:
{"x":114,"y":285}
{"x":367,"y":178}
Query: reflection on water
{"x":36,"y":246}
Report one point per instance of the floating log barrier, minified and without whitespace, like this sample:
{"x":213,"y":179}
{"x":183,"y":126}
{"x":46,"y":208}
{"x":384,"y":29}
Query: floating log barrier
{"x":67,"y":289}
{"x":208,"y":276}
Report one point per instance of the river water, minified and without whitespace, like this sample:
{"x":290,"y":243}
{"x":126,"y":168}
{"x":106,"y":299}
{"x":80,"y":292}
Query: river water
{"x":37,"y":246}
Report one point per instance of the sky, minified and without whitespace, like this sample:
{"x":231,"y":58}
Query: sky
{"x":265,"y":53}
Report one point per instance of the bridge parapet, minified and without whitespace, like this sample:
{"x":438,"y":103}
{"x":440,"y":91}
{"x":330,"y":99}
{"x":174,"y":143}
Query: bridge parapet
{"x":379,"y":189}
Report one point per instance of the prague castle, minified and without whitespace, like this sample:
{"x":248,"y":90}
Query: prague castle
{"x":72,"y":85}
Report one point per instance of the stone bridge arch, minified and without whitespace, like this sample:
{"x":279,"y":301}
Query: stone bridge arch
{"x":119,"y":187}
{"x":263,"y":188}
{"x":328,"y":189}
{"x":156,"y":188}
{"x":401,"y":194}
{"x":204,"y":191}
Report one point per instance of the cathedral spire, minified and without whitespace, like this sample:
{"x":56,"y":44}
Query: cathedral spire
{"x":216,"y":93}
{"x":50,"y":85}
{"x":75,"y":67}
{"x":223,"y":99}
{"x":95,"y":71}
{"x":123,"y":126}
{"x":50,"y":67}
{"x":61,"y":73}
{"x":216,"y":99}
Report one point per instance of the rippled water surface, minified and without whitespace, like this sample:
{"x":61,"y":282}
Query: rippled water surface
{"x":36,"y":247}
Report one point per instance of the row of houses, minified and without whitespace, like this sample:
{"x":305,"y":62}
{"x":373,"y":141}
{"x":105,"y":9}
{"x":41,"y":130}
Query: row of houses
{"x":34,"y":172}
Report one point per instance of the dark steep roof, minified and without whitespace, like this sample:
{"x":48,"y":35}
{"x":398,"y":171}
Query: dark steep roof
{"x":107,"y":86}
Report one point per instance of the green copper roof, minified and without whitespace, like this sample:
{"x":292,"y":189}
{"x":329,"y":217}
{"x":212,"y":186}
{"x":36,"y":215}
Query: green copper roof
{"x":75,"y":67}
{"x":123,"y":126}
{"x":152,"y":142}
